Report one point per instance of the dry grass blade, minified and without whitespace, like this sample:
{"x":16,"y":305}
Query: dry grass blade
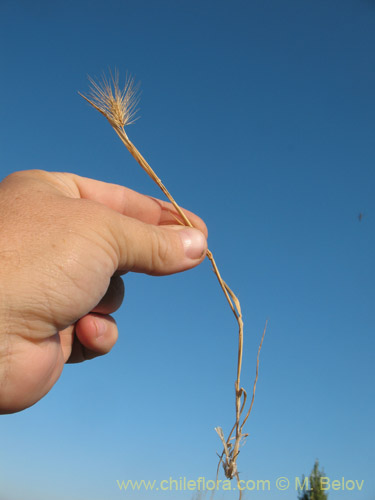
{"x":118,"y":106}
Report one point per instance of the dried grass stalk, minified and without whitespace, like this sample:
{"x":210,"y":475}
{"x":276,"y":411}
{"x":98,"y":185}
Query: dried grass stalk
{"x":119,"y":107}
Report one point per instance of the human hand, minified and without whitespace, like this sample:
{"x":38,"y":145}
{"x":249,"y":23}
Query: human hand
{"x":64,"y":242}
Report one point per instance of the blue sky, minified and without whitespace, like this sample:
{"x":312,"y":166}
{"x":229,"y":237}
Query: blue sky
{"x":258,"y":115}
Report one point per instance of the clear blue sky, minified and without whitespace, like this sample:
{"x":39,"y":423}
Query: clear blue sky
{"x":258,"y":115}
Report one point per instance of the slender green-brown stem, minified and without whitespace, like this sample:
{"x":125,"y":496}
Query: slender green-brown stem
{"x":120,"y":131}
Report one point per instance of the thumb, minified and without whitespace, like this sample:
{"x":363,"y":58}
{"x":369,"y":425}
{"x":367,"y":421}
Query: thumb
{"x":158,"y":250}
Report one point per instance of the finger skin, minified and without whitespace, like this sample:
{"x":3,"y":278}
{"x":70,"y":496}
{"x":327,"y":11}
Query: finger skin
{"x":153,"y":250}
{"x":128,"y":202}
{"x":95,"y":335}
{"x":113,"y":297}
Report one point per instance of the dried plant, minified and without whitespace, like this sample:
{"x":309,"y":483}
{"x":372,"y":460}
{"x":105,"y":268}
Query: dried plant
{"x":119,"y":107}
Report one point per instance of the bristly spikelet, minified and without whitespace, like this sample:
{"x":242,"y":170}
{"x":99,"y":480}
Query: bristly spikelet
{"x":118,"y":106}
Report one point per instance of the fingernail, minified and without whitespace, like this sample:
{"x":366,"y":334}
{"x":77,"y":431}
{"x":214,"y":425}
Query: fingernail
{"x":101,"y":328}
{"x":194,"y":242}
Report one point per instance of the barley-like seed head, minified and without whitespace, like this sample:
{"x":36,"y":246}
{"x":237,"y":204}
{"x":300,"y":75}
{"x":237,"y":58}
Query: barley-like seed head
{"x":118,"y":106}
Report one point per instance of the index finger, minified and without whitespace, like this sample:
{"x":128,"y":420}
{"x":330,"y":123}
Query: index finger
{"x":133,"y":204}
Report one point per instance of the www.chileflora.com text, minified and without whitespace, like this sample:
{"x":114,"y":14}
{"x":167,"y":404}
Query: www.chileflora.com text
{"x":281,"y":483}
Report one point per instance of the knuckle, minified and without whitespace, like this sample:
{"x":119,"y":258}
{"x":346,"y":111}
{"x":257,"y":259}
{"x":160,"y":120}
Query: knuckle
{"x":161,"y":252}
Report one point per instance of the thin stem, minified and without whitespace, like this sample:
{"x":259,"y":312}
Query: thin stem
{"x":118,"y":109}
{"x":120,"y":131}
{"x":256,"y":377}
{"x":229,"y":294}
